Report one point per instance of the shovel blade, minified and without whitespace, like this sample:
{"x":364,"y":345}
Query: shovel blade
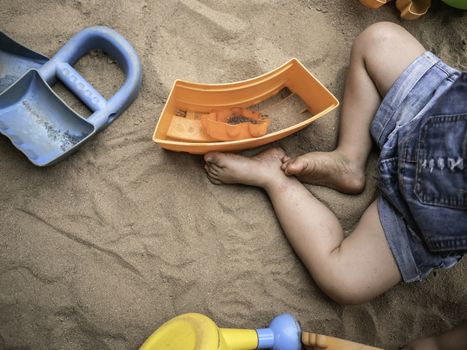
{"x":15,"y":61}
{"x":38,"y":122}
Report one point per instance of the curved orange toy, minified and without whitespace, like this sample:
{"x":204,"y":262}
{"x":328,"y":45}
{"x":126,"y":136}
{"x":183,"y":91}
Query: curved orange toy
{"x":205,"y":98}
{"x":235,"y":124}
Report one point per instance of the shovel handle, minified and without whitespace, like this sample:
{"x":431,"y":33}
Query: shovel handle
{"x":80,"y":87}
{"x":116,"y":46}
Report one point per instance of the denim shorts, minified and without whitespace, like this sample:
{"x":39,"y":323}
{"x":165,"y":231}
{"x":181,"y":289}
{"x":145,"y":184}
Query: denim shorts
{"x":421,"y":129}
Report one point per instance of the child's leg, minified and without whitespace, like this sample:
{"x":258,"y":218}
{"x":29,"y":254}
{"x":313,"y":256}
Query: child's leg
{"x":455,"y":339}
{"x":360,"y":267}
{"x":379,"y":56}
{"x":351,"y":270}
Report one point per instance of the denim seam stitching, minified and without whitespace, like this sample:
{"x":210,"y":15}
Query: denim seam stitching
{"x":452,"y":201}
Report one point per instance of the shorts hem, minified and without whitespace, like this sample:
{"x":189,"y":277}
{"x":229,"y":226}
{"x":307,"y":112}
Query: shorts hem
{"x":395,"y":230}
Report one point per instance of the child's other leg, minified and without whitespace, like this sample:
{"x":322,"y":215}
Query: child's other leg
{"x":379,"y":56}
{"x":351,"y":270}
{"x":455,"y":339}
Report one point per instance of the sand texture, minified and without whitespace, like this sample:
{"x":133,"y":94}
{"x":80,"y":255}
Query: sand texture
{"x":99,"y":250}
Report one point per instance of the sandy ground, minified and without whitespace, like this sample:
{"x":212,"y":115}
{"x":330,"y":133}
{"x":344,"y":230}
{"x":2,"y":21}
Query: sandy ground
{"x":99,"y":250}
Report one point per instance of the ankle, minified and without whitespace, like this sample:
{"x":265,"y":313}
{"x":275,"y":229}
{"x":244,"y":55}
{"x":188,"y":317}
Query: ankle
{"x":353,"y":172}
{"x":356,"y":162}
{"x":280,"y":184}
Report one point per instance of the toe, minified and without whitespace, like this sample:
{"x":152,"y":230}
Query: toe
{"x":295,"y":166}
{"x":285,"y":164}
{"x":279,"y":152}
{"x":215,"y":158}
{"x":213,"y":171}
{"x":207,"y":168}
{"x":214,"y":167}
{"x":214,"y":180}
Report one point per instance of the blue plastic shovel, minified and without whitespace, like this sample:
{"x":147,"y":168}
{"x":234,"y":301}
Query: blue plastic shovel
{"x":37,"y":121}
{"x":15,"y":60}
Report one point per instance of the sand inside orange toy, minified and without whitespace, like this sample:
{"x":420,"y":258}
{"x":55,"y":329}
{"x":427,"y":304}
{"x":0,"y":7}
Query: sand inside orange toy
{"x":237,"y":123}
{"x":222,"y":125}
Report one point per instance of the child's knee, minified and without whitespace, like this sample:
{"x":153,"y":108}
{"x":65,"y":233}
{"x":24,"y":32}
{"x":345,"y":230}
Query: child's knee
{"x":346,"y":296}
{"x":342,"y":289}
{"x":377,"y":36}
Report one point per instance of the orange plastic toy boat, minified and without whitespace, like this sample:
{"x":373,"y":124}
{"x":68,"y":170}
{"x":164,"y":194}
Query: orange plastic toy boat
{"x":184,"y":132}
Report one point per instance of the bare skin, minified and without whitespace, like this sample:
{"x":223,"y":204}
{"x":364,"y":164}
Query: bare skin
{"x":330,"y":169}
{"x":379,"y":55}
{"x":350,"y":271}
{"x":231,"y":168}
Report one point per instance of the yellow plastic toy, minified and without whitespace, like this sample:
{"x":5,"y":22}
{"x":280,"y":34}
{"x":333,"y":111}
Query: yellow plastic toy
{"x":198,"y":332}
{"x":205,"y":98}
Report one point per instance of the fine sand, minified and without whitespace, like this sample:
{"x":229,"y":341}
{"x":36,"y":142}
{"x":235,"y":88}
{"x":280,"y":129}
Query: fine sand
{"x":99,"y":250}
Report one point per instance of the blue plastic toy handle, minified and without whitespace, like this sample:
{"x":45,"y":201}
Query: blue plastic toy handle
{"x":284,"y":333}
{"x":116,"y":46}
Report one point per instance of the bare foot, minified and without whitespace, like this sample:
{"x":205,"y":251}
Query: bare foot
{"x":260,"y":170}
{"x":330,"y":169}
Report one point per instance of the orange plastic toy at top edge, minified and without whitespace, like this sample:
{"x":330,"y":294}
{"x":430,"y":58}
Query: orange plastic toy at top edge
{"x":374,"y":4}
{"x":409,"y":9}
{"x":204,"y":98}
{"x":216,"y":124}
{"x":413,"y":9}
